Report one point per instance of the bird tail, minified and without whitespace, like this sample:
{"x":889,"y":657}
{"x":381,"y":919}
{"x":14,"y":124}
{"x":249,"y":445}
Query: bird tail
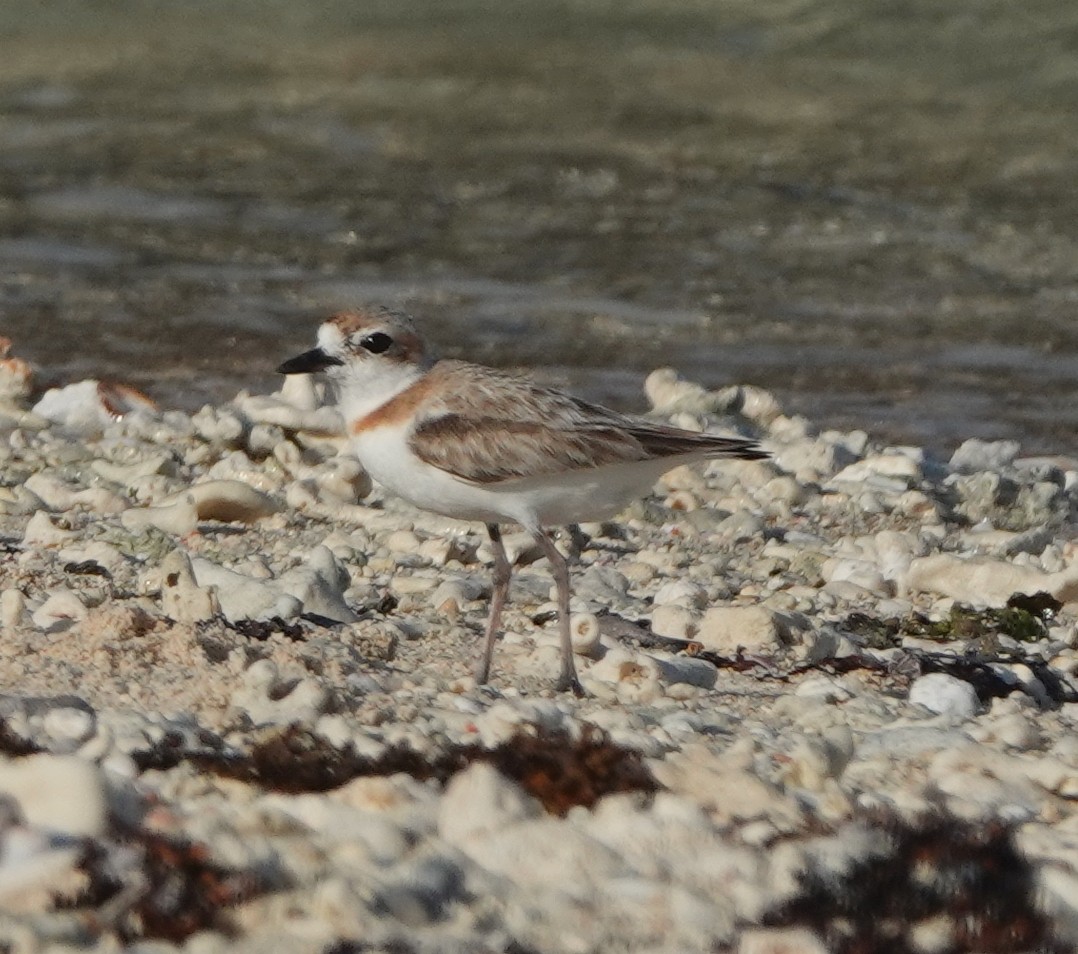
{"x":661,"y":441}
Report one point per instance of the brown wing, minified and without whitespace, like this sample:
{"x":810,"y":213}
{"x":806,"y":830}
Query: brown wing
{"x":491,"y":427}
{"x":486,"y":450}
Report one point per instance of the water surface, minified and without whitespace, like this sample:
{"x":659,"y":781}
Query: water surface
{"x":869,"y":209}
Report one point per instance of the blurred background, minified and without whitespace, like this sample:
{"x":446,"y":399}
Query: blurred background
{"x":869,"y":208}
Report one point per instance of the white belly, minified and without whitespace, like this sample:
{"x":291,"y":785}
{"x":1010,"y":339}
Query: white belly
{"x":576,"y":497}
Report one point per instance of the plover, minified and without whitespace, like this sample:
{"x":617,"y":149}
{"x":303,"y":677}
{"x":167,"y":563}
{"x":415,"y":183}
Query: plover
{"x":477,"y":443}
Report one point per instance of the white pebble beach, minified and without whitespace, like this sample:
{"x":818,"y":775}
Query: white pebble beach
{"x":180,"y":591}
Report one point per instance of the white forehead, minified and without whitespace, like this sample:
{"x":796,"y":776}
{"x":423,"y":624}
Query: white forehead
{"x":343,"y":333}
{"x":330,"y":337}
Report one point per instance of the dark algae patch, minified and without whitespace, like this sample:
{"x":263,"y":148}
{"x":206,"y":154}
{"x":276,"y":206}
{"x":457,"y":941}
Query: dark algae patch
{"x":967,"y":880}
{"x":563,"y":772}
{"x":1024,"y":618}
{"x":966,"y":623}
{"x":147,"y":885}
{"x":560,"y":770}
{"x":980,"y":658}
{"x":13,"y":744}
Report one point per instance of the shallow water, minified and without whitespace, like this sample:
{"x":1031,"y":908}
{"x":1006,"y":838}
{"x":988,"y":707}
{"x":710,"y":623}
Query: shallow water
{"x":870,"y":210}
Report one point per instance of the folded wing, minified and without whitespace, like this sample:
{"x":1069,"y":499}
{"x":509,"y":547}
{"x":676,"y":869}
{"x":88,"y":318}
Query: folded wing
{"x":489,"y":429}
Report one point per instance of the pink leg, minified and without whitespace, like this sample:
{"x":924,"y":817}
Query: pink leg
{"x":567,"y":679}
{"x":502,"y":572}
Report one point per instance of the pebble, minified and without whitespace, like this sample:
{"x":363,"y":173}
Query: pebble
{"x":182,"y":599}
{"x":599,"y":584}
{"x":413,"y":585}
{"x":728,"y":790}
{"x":681,"y":593}
{"x":218,"y":426}
{"x":403,"y":541}
{"x":69,"y":726}
{"x":823,"y":689}
{"x":60,"y":496}
{"x":13,"y":610}
{"x":422,"y":892}
{"x":863,"y":574}
{"x":945,"y":695}
{"x":773,"y":558}
{"x":1030,"y":684}
{"x":481,"y":800}
{"x":905,"y":467}
{"x":688,"y":671}
{"x":263,"y":438}
{"x":89,"y":407}
{"x":319,"y":586}
{"x":975,"y":455}
{"x":105,"y":555}
{"x":812,"y":461}
{"x":669,"y":394}
{"x":280,"y":411}
{"x":849,"y":592}
{"x":60,"y":611}
{"x":16,"y":375}
{"x":266,"y":699}
{"x":130,"y":473}
{"x":460,"y":589}
{"x":637,"y":572}
{"x":740,"y":526}
{"x":813,"y":762}
{"x":780,"y":941}
{"x":623,"y":665}
{"x":342,"y":477}
{"x":676,"y":622}
{"x":724,"y":629}
{"x":982,"y":582}
{"x":783,"y":489}
{"x":1058,"y":888}
{"x":179,"y":517}
{"x":42,"y":532}
{"x":230,"y":501}
{"x":243,"y":597}
{"x":57,"y":793}
{"x":18,"y":501}
{"x":585,"y":633}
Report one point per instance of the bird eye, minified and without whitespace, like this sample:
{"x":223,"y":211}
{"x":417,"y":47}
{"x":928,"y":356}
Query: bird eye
{"x":376,"y":343}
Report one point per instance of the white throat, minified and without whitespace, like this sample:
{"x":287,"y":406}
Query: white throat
{"x":365,"y":386}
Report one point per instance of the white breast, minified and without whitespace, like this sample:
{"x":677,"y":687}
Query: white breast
{"x":385,"y":454}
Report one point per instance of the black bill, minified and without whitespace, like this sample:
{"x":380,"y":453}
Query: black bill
{"x":309,"y":362}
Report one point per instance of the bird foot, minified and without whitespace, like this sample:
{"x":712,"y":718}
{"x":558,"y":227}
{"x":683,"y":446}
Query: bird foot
{"x":568,"y":682}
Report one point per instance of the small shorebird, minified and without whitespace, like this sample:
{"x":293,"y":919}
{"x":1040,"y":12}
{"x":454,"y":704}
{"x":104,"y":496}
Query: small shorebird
{"x":475,"y":443}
